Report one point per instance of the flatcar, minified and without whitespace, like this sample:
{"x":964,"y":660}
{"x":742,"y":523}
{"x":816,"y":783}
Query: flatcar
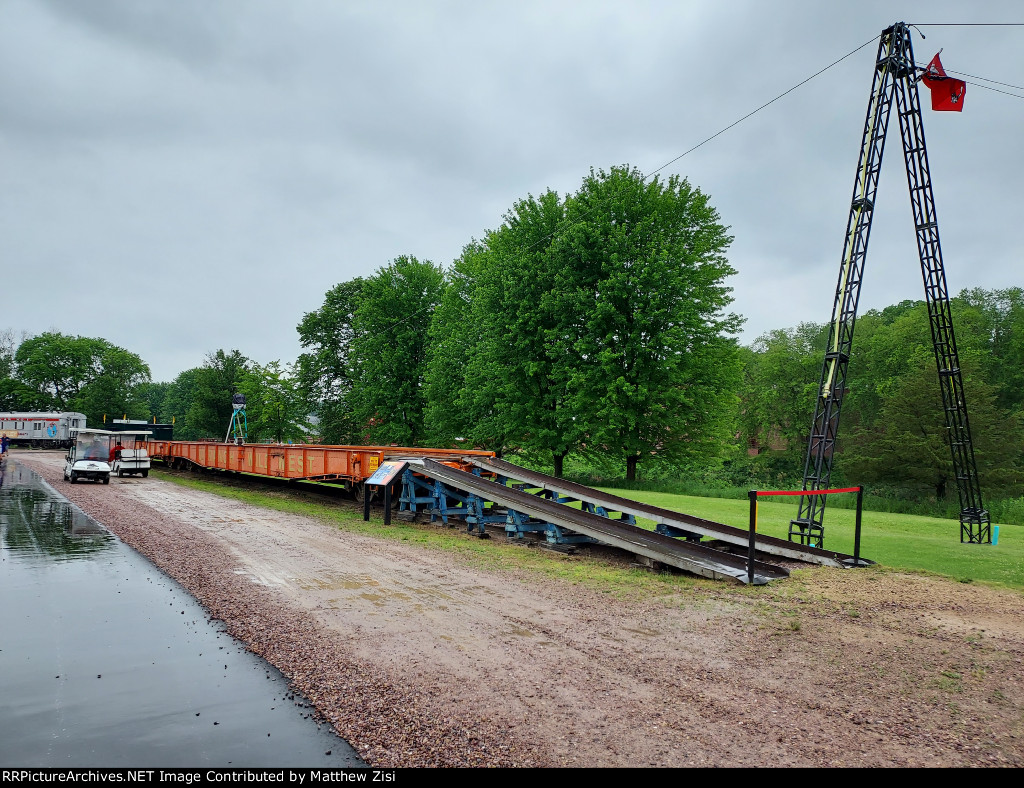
{"x":50,"y":430}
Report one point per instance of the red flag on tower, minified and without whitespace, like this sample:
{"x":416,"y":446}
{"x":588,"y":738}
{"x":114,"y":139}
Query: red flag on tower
{"x":947,"y":93}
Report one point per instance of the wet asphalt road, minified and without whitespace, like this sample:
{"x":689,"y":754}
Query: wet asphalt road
{"x":104,"y":661}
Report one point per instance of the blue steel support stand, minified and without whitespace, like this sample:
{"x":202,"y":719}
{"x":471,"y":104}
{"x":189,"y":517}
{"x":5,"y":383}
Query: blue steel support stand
{"x":421,"y":494}
{"x":678,"y":533}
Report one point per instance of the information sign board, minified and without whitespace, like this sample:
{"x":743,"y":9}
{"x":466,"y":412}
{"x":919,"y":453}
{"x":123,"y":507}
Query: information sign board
{"x":387,"y":472}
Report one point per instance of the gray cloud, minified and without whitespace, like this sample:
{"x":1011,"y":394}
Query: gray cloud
{"x":233,"y":160}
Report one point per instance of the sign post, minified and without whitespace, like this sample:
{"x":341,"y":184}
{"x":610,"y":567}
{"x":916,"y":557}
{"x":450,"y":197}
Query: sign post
{"x":384,"y":476}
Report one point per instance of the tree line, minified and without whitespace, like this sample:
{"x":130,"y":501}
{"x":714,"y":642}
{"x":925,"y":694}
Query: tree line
{"x":592,"y":324}
{"x":592,"y":329}
{"x":893,"y":434}
{"x":54,"y":371}
{"x":57,"y":372}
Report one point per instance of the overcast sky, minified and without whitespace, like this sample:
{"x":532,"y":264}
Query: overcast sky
{"x":178,"y":176}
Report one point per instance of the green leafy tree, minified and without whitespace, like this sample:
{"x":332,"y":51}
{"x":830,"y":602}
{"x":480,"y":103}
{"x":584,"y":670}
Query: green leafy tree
{"x":9,"y":343}
{"x":455,"y":339}
{"x":997,"y":318}
{"x":886,"y":347}
{"x":509,"y":396}
{"x":389,"y":348}
{"x":894,"y":431}
{"x":908,"y":444}
{"x":89,"y":375}
{"x":118,"y":390}
{"x":644,"y":345}
{"x":156,"y":399}
{"x":16,"y":396}
{"x":58,"y":366}
{"x":781,"y":373}
{"x":324,"y":373}
{"x":779,"y":383}
{"x":275,"y":409}
{"x":177,"y":404}
{"x":209,"y":409}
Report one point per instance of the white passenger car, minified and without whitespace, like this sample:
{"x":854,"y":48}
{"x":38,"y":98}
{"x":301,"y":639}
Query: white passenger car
{"x":41,"y":430}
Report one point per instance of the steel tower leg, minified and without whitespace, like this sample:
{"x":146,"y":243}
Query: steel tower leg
{"x":974,"y":520}
{"x":807,"y":527}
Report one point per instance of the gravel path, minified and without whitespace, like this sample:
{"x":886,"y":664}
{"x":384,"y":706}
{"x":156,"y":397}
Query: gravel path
{"x":419,"y":659}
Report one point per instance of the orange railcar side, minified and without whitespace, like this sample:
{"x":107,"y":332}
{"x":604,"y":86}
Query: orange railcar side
{"x":350,"y":463}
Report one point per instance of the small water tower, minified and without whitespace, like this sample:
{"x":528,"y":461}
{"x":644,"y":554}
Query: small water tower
{"x":238,"y":429}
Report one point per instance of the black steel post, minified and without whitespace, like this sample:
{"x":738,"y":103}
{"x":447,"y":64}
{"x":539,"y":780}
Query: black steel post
{"x":387,"y":504}
{"x":366,"y":501}
{"x":856,"y":532}
{"x":753,"y":536}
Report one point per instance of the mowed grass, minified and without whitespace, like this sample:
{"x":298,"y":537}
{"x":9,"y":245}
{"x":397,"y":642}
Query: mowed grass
{"x":901,"y":541}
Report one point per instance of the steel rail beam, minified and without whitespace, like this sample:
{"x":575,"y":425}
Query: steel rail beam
{"x":687,"y":556}
{"x":726,"y":533}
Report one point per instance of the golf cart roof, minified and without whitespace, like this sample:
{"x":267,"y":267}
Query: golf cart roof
{"x":90,"y":431}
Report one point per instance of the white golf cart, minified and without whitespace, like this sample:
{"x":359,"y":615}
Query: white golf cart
{"x":130,"y":455}
{"x":89,"y":456}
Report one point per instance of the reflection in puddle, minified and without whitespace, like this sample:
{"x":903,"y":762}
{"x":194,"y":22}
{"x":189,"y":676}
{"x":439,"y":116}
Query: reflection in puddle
{"x":39,"y":527}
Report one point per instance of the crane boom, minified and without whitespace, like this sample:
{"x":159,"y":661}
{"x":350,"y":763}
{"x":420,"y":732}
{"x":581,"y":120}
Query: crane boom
{"x":895,"y":80}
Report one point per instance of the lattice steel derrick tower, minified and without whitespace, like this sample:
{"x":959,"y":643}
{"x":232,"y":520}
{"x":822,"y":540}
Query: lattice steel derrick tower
{"x":895,"y":80}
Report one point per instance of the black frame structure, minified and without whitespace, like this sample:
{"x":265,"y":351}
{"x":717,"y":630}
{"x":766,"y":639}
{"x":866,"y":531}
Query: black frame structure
{"x":895,"y":80}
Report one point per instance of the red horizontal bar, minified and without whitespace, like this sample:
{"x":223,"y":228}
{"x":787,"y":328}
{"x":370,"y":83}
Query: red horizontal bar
{"x":807,"y":492}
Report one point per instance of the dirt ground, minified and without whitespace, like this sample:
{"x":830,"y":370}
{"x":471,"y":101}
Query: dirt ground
{"x":419,"y":658}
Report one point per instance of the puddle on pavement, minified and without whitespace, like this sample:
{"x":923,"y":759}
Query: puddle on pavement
{"x":383,"y":596}
{"x":104,"y":661}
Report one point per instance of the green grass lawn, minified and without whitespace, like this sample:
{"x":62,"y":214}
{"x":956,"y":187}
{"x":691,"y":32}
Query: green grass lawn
{"x":902,"y":541}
